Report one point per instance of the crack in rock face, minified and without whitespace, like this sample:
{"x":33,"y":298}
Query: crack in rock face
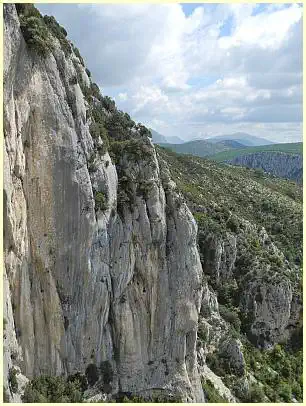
{"x":91,"y":281}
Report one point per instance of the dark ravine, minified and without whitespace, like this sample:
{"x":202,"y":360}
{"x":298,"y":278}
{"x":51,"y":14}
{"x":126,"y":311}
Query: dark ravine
{"x":127,"y":260}
{"x":289,"y":166}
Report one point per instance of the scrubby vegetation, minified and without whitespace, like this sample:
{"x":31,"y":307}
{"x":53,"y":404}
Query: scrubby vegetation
{"x":100,"y":201}
{"x":212,"y":395}
{"x":34,"y":30}
{"x":53,"y":389}
{"x":279,"y":370}
{"x":233,"y":201}
{"x":220,"y":196}
{"x":13,"y":383}
{"x":290,"y":148}
{"x":59,"y":32}
{"x":57,"y":389}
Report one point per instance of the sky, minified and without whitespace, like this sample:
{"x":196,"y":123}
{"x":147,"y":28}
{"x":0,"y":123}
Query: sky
{"x":195,"y":70}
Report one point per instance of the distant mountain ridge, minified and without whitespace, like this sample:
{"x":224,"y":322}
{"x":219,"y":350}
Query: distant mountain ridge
{"x":201,"y":148}
{"x":287,"y":148}
{"x":242,"y":138}
{"x":158,"y":138}
{"x":280,"y":164}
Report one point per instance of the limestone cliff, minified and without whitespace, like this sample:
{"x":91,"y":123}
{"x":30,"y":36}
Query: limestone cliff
{"x":91,"y":280}
{"x":250,"y":244}
{"x":289,"y":166}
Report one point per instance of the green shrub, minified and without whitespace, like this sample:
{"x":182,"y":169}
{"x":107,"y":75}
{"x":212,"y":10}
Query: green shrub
{"x":98,"y":130}
{"x":255,"y":394}
{"x":108,"y":104}
{"x":27,"y":10}
{"x":13,"y":383}
{"x":143,"y":131}
{"x":227,"y":294}
{"x":100,"y":201}
{"x":233,"y":224}
{"x":88,"y":72}
{"x":32,"y":395}
{"x":211,"y":393}
{"x":202,"y":332}
{"x":230,"y":316}
{"x":53,"y":389}
{"x":106,"y":371}
{"x":36,"y":34}
{"x":215,"y":364}
{"x":95,"y":91}
{"x":77,"y":53}
{"x":92,"y":374}
{"x":59,"y":32}
{"x":80,"y":380}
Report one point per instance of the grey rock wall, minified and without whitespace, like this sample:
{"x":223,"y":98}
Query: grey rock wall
{"x":282,"y":165}
{"x":85,"y":285}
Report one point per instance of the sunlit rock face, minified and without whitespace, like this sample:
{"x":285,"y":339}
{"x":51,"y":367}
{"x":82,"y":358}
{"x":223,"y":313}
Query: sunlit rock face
{"x":85,"y":285}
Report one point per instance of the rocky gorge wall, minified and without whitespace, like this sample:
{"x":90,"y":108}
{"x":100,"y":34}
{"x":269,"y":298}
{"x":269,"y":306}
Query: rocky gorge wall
{"x":86,"y":284}
{"x":289,"y":166}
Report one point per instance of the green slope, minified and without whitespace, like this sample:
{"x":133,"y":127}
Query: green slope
{"x":235,"y":202}
{"x":200,"y":148}
{"x":248,"y":193}
{"x":290,"y":148}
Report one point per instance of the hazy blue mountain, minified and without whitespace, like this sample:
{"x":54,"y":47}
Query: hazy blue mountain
{"x":158,"y":138}
{"x":200,"y":148}
{"x":243,"y":138}
{"x":232,"y":144}
{"x":175,"y":140}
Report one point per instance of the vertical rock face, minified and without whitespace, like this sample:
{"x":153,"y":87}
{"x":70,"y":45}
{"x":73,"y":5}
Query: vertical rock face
{"x":280,"y":164}
{"x":84,"y":285}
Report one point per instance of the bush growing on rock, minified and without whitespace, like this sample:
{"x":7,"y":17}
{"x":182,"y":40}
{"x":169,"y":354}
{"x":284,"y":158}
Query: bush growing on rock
{"x":77,"y":53}
{"x":36,"y":34}
{"x":95,"y":91}
{"x":13,"y":380}
{"x":92,"y":374}
{"x":106,"y":371}
{"x":98,"y":130}
{"x":230,"y":316}
{"x":27,"y":10}
{"x":211,"y":393}
{"x":108,"y":104}
{"x":100,"y":201}
{"x":59,"y":32}
{"x":53,"y":389}
{"x":255,"y":394}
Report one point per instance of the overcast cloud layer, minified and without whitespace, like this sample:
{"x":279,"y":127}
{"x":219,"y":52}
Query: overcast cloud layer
{"x":195,"y":71}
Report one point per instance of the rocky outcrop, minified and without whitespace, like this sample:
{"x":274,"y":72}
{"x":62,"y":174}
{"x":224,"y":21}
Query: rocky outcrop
{"x":232,"y":351}
{"x":289,"y":166}
{"x":269,"y":305}
{"x":219,"y":255}
{"x":119,"y":284}
{"x":249,"y":270}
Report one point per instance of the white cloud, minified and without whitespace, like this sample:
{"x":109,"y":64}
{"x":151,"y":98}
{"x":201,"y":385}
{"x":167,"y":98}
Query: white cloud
{"x":190,"y":75}
{"x":122,"y":96}
{"x":149,"y":97}
{"x":264,"y":31}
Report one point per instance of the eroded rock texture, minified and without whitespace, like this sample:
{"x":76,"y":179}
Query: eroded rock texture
{"x":289,"y":166}
{"x":85,"y":285}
